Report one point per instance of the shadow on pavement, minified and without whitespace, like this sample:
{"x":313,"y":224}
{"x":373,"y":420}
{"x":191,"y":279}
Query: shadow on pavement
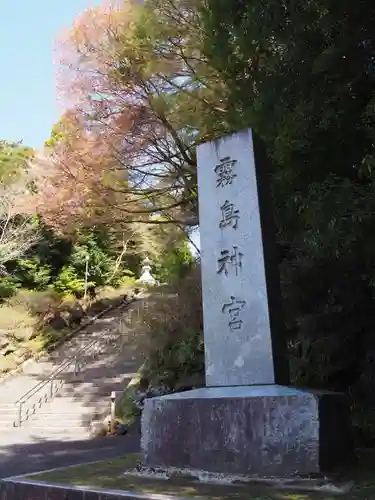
{"x":17,"y":459}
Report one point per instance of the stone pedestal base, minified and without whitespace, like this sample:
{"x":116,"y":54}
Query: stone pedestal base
{"x":251,"y":430}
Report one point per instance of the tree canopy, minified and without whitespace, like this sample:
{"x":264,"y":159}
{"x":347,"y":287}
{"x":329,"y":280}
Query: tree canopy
{"x":302,"y":76}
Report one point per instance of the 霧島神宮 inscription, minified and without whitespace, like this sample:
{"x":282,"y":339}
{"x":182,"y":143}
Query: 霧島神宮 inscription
{"x":230,"y":215}
{"x":233,"y":309}
{"x":225,"y":172}
{"x":229,"y":258}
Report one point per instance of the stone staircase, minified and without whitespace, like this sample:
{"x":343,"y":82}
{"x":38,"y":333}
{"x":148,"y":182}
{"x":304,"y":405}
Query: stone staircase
{"x":69,"y":414}
{"x":83,"y":397}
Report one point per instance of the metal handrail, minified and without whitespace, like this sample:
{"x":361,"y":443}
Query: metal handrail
{"x":55,"y":385}
{"x":51,"y":379}
{"x":56,"y":372}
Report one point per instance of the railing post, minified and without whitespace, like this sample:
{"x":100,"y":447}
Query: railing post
{"x":51,"y":389}
{"x":113,"y":412}
{"x":20,"y":414}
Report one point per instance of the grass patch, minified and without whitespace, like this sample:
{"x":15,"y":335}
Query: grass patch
{"x":109,"y":475}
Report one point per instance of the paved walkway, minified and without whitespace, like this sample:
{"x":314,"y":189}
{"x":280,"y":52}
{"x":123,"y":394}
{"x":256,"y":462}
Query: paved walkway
{"x":19,"y":459}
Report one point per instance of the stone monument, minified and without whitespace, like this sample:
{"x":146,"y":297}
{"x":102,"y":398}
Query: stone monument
{"x":146,"y":276}
{"x":246,"y":420}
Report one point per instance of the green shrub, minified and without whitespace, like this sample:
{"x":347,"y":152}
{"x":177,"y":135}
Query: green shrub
{"x":173,"y":264}
{"x":69,"y":282}
{"x":8,"y":287}
{"x":32,"y":274}
{"x":128,"y":282}
{"x":128,"y":410}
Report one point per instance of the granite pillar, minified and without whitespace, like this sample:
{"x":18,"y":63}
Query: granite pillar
{"x":240,"y":281}
{"x":246,"y":421}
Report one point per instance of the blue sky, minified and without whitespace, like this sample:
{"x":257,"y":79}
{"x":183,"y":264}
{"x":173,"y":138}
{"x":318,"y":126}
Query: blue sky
{"x":28,"y":29}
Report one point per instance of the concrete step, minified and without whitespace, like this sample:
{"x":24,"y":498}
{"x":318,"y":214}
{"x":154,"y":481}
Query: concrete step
{"x":83,"y":390}
{"x":60,"y":417}
{"x":6,"y":417}
{"x":72,"y":409}
{"x":7,"y":412}
{"x":79,"y":424}
{"x":66,"y":416}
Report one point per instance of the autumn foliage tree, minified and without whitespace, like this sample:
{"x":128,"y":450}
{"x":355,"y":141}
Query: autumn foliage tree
{"x":139,"y":98}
